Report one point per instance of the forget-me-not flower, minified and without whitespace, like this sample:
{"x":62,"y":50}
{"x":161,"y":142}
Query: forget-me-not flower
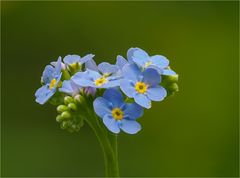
{"x":50,"y":77}
{"x":143,"y":60}
{"x":116,"y":114}
{"x":75,"y":60}
{"x":142,"y":86}
{"x":94,"y":79}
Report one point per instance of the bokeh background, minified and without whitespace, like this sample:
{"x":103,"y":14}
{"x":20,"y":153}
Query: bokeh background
{"x":193,"y":134}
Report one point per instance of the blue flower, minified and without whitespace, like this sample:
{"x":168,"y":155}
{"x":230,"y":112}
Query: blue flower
{"x":142,"y":86}
{"x":116,"y":114}
{"x":143,"y":60}
{"x":70,"y":88}
{"x":74,"y":60}
{"x":106,"y":68}
{"x":50,"y":77}
{"x":94,"y":79}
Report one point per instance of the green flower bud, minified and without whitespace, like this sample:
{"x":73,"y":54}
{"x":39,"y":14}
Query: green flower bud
{"x":68,"y":99}
{"x":172,"y":78}
{"x":79,"y":98}
{"x":66,"y":115}
{"x":62,"y":108}
{"x":173,"y":87}
{"x":72,"y":106}
{"x":59,"y":118}
{"x":64,"y":125}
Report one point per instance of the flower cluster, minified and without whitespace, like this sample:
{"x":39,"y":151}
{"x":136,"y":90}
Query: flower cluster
{"x":118,"y":93}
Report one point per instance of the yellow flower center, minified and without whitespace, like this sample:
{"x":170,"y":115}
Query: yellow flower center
{"x":74,"y":65}
{"x":147,"y":64}
{"x":100,"y":81}
{"x":117,"y":114}
{"x":141,"y":87}
{"x":52,"y":83}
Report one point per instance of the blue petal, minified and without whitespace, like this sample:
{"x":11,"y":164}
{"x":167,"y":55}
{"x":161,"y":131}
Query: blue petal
{"x":86,"y":58}
{"x":121,"y":61}
{"x":156,"y":93}
{"x":159,"y":61}
{"x":58,"y":67}
{"x":151,"y":77}
{"x":102,"y":107}
{"x":111,"y":83}
{"x":107,"y":68}
{"x":127,"y":86}
{"x":82,"y":79}
{"x":91,"y":65}
{"x":69,"y":87}
{"x":130,"y":54}
{"x":71,"y":59}
{"x":132,"y":110}
{"x":43,"y":94}
{"x":93,"y":75}
{"x":142,"y":100}
{"x":111,"y":124}
{"x":48,"y":74}
{"x":140,"y":57}
{"x":168,"y":72}
{"x":114,"y":96}
{"x":131,"y":71}
{"x":130,"y":126}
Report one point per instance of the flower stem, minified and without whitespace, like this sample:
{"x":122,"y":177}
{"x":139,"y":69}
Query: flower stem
{"x":108,"y":143}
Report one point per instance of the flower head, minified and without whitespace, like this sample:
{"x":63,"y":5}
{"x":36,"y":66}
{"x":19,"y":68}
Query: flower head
{"x":142,"y":86}
{"x":94,"y":79}
{"x":50,"y":77}
{"x":143,"y":60}
{"x":116,"y":114}
{"x":73,"y":60}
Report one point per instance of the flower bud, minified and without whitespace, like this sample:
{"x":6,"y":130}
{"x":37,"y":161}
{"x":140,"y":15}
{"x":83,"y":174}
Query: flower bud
{"x":72,"y":106}
{"x":68,"y":99}
{"x":173,"y":87}
{"x":59,"y":118}
{"x":172,"y":78}
{"x":66,"y":115}
{"x":79,"y":98}
{"x":64,"y":125}
{"x":62,"y":108}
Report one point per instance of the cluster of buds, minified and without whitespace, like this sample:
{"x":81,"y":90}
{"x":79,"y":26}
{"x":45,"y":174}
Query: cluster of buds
{"x":68,"y":117}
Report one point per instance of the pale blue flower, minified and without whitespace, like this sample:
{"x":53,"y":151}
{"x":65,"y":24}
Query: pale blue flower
{"x":142,"y":86}
{"x":116,"y":114}
{"x":69,"y":87}
{"x":50,"y":77}
{"x":72,"y":60}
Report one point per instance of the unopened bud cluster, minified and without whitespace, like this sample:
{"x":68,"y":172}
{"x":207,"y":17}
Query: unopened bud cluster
{"x":170,"y":84}
{"x":68,"y":117}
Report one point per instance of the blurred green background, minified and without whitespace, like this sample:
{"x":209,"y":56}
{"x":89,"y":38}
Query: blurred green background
{"x":192,"y":134}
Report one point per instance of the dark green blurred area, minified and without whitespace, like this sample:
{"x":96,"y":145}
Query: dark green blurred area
{"x":192,"y":134}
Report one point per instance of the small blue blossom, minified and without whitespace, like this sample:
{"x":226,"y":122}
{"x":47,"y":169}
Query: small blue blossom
{"x":143,"y":60}
{"x":116,"y":114}
{"x":70,"y":88}
{"x":72,"y":60}
{"x":142,"y":86}
{"x":50,"y":77}
{"x":94,"y":79}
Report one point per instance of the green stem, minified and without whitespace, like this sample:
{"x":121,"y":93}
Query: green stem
{"x":108,"y":144}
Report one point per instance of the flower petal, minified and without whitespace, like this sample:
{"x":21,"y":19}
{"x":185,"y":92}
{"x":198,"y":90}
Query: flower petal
{"x":131,"y":71}
{"x":127,"y":86}
{"x":142,"y":100}
{"x":114,"y":96}
{"x":121,"y":61}
{"x":107,"y":68}
{"x":69,"y":87}
{"x":111,"y":83}
{"x":156,"y":93}
{"x":160,"y":61}
{"x":102,"y":106}
{"x":58,"y":67}
{"x":132,"y":110}
{"x":82,"y":79}
{"x":151,"y":77}
{"x":86,"y":58}
{"x":111,"y":124}
{"x":168,"y":72}
{"x":71,"y":59}
{"x":91,"y":65}
{"x":48,"y":74}
{"x":130,"y":126}
{"x":130,"y":54}
{"x":43,"y":94}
